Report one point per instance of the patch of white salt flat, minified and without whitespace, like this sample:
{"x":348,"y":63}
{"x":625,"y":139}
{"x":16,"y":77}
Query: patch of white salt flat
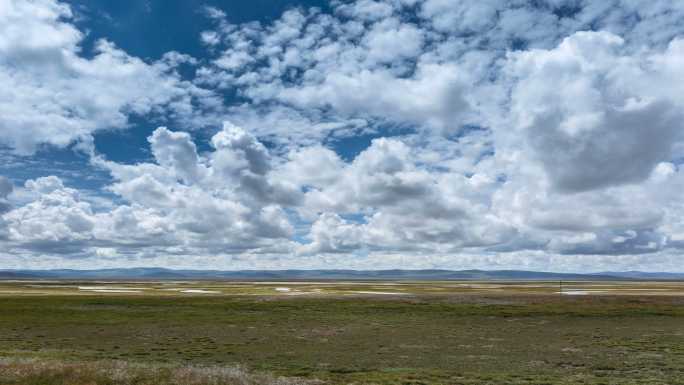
{"x":111,"y":291}
{"x":283,"y":289}
{"x":93,"y":288}
{"x":322,"y":283}
{"x":630,"y":289}
{"x":576,"y":292}
{"x":200,"y":291}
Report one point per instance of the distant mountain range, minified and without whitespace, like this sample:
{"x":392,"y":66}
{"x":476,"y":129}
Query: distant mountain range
{"x":144,"y":273}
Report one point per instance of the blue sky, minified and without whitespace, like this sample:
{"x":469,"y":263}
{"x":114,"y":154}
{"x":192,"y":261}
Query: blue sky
{"x":348,"y":134}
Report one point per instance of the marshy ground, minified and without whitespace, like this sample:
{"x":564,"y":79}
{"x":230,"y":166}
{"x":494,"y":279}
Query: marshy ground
{"x":341,"y":332}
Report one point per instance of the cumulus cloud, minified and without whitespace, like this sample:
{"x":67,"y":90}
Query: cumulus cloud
{"x":405,"y":206}
{"x":54,"y":95}
{"x":177,"y":151}
{"x":331,"y":234}
{"x":55,"y":222}
{"x":416,"y":133}
{"x":589,"y":126}
{"x":223,"y":198}
{"x":182,"y":201}
{"x":379,"y":72}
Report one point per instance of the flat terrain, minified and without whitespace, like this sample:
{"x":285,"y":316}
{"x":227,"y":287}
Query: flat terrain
{"x":342,"y":332}
{"x":339,"y":288}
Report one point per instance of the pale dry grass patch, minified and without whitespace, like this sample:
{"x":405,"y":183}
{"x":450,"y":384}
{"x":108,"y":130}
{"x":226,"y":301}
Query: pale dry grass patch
{"x":49,"y":372}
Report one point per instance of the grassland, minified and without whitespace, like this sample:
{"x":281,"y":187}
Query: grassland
{"x":351,"y":332}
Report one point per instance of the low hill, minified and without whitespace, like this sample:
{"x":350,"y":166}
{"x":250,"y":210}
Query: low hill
{"x":162,"y":274}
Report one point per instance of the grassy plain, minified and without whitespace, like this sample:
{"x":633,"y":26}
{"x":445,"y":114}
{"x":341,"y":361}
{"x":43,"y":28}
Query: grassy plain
{"x":345,"y":332}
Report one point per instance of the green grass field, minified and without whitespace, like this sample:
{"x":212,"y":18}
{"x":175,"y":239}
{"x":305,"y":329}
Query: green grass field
{"x":451,"y":333}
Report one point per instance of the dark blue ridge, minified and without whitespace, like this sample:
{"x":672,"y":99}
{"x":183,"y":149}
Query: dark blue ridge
{"x":150,"y":273}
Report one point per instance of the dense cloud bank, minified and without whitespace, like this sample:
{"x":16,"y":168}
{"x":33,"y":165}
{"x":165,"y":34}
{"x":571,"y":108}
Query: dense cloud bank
{"x":543,"y":135}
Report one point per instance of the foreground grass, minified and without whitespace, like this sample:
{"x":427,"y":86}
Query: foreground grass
{"x":455,"y":340}
{"x":49,"y":372}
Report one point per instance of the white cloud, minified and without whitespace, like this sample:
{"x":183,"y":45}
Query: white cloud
{"x":433,"y":97}
{"x":226,"y":196}
{"x":177,"y":151}
{"x":541,"y":135}
{"x":314,"y":166}
{"x":332,"y":234}
{"x":210,"y":38}
{"x":53,"y":95}
{"x":589,"y":126}
{"x":44,"y":185}
{"x":183,"y":201}
{"x":369,"y":10}
{"x":462,"y":16}
{"x":54,"y":222}
{"x":390,"y":41}
{"x":405,"y":205}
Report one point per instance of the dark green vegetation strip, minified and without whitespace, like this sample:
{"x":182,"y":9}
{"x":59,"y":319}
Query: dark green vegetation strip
{"x":469,"y":340}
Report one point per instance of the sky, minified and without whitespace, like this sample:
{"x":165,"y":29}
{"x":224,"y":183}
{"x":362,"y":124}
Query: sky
{"x":370,"y":134}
